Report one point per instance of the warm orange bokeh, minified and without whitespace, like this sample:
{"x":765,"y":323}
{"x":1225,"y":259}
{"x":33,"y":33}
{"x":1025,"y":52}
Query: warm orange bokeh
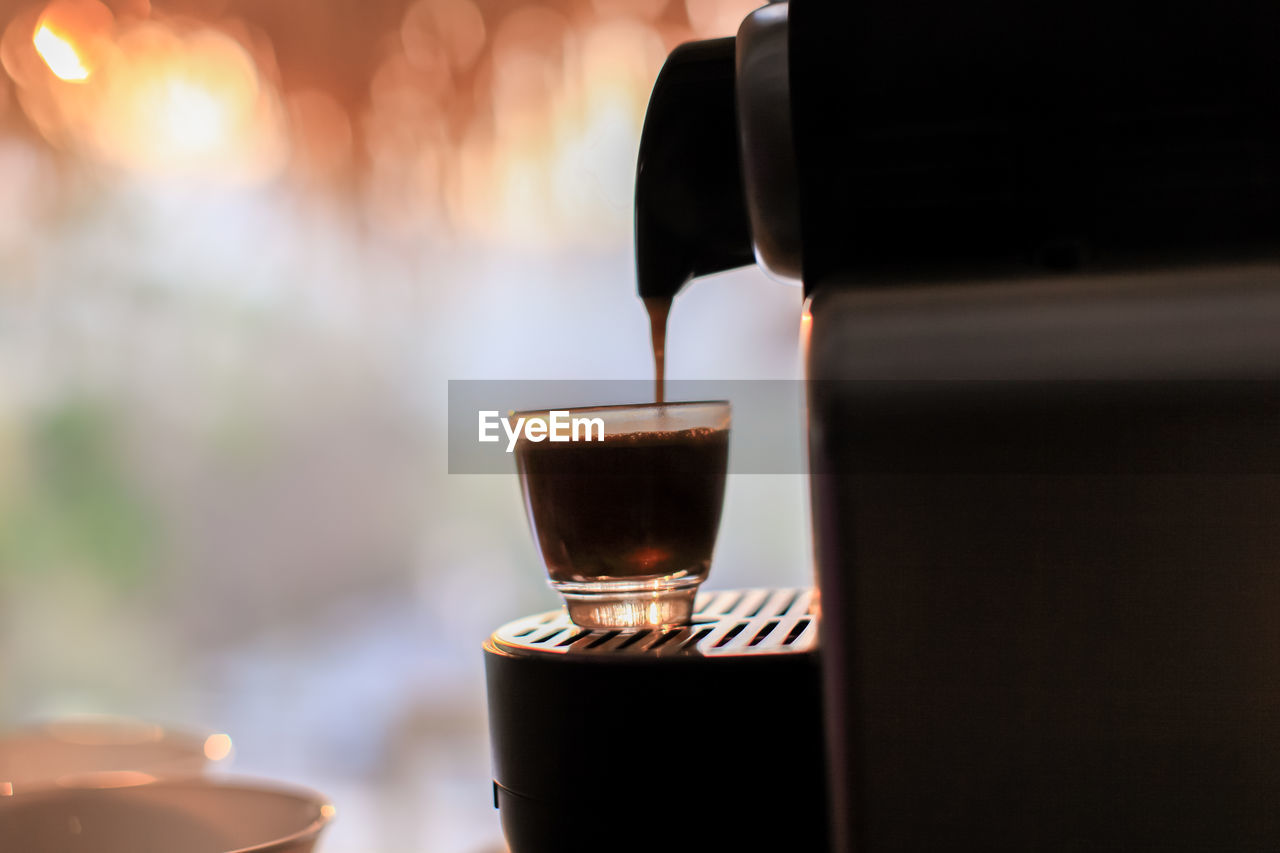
{"x":217,"y":747}
{"x":69,"y":36}
{"x":186,"y":104}
{"x":60,"y":54}
{"x":156,"y":97}
{"x":518,"y":124}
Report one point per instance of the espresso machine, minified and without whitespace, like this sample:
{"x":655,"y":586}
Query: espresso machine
{"x":1039,"y":251}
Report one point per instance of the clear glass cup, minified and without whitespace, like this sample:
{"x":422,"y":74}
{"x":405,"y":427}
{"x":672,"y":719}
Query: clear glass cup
{"x":624,"y":503}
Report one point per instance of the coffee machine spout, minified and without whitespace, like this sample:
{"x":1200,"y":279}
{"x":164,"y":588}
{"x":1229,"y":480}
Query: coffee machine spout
{"x":690,"y":215}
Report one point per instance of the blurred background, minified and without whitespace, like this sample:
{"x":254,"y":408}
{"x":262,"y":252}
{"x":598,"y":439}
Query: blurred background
{"x":243,"y":246}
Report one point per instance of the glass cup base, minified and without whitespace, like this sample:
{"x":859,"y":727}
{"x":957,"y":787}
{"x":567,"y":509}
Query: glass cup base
{"x":602,"y":608}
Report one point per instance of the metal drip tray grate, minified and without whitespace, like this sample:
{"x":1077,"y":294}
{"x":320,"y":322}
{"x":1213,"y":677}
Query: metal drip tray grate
{"x":730,"y":622}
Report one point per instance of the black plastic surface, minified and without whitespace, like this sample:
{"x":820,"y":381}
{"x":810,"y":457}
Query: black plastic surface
{"x":691,"y":215}
{"x":1047,"y":519}
{"x":640,"y":753}
{"x":1000,"y":137}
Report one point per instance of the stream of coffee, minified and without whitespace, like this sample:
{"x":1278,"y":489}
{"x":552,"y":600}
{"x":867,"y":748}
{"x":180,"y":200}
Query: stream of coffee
{"x":658,"y":307}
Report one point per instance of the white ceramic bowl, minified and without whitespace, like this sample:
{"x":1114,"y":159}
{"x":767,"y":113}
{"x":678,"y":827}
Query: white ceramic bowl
{"x":199,"y":815}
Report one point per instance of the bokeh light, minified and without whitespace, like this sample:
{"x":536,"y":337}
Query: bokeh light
{"x":505,"y":121}
{"x":217,"y":747}
{"x":159,"y":97}
{"x":71,"y":35}
{"x":59,"y":54}
{"x":321,"y":136}
{"x":186,"y":104}
{"x":450,"y":30}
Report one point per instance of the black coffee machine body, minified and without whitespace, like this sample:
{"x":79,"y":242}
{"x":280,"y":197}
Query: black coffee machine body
{"x":1038,"y":245}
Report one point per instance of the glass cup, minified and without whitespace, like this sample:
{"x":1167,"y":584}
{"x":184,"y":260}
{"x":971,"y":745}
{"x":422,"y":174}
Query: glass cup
{"x":624,"y":502}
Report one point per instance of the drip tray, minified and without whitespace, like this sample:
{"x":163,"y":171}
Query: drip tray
{"x":725,"y":623}
{"x":592,"y":731}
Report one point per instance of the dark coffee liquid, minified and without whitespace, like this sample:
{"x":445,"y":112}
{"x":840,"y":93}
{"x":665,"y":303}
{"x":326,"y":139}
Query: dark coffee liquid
{"x":659,"y":307}
{"x":633,"y":506}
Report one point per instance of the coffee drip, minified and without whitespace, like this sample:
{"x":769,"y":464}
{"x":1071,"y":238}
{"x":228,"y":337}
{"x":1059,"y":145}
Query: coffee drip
{"x":690,"y":203}
{"x":659,"y":307}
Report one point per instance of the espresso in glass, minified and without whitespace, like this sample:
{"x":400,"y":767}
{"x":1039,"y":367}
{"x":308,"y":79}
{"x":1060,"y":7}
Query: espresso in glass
{"x":627,"y":522}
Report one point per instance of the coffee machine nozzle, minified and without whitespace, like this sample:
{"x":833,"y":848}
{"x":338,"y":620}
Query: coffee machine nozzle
{"x":716,"y":184}
{"x":690,"y":219}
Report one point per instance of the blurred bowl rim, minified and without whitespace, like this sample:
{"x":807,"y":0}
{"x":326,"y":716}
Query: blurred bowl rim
{"x":325,"y":810}
{"x":76,"y":730}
